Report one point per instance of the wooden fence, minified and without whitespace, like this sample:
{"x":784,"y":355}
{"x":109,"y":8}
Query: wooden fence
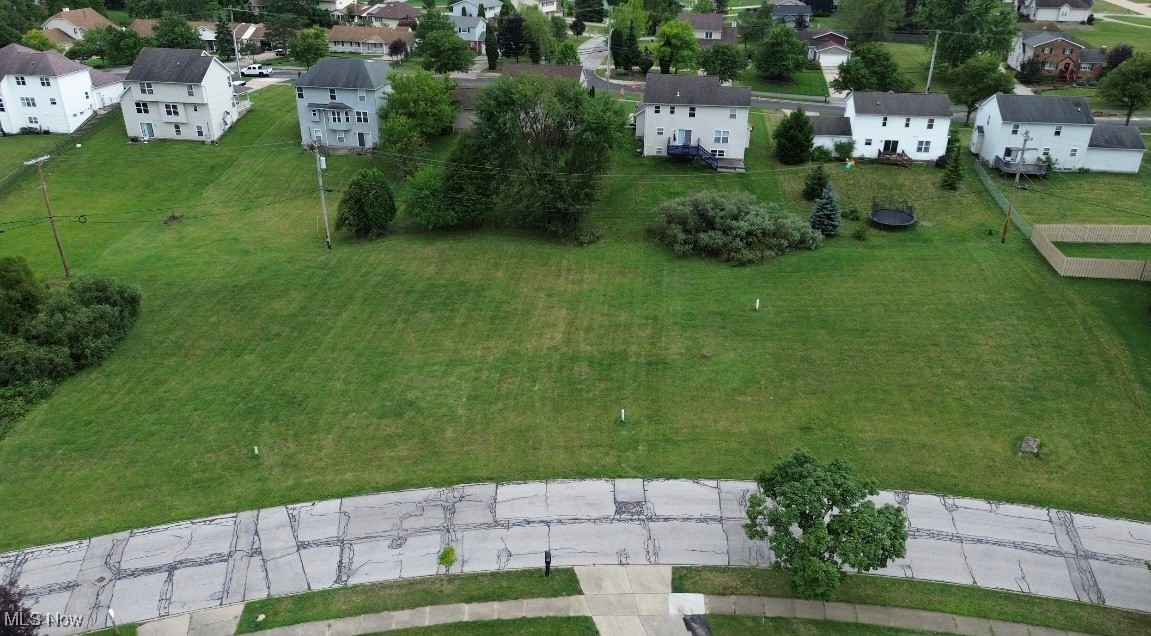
{"x":1044,"y":236}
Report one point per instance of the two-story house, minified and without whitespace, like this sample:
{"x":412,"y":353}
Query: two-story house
{"x":388,"y":14}
{"x":793,"y":13}
{"x":692,"y":115}
{"x":489,"y":8}
{"x":709,"y":29}
{"x":1058,"y":130}
{"x":1056,"y":10}
{"x":70,"y":25}
{"x":337,"y":102}
{"x":346,"y":38}
{"x":911,"y":124}
{"x":471,"y":29}
{"x":179,"y":94}
{"x":1062,"y":55}
{"x":45,"y":91}
{"x":825,"y":46}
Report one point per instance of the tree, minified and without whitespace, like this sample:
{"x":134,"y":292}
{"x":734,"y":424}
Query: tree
{"x":870,"y":20}
{"x":89,"y":46}
{"x":17,"y":16}
{"x":723,"y":61}
{"x":754,"y":24}
{"x":567,"y":54}
{"x":309,"y":45}
{"x":793,"y":138}
{"x":589,"y":10}
{"x":703,"y":6}
{"x":428,"y":101}
{"x":559,"y":28}
{"x":721,"y":7}
{"x":534,"y":53}
{"x":815,"y":182}
{"x":173,"y":32}
{"x":631,"y":51}
{"x":825,"y":215}
{"x":1129,"y":84}
{"x":492,"y":47}
{"x":676,"y":43}
{"x":446,"y":53}
{"x":20,"y":293}
{"x":35,"y":39}
{"x":871,"y":68}
{"x":367,"y":206}
{"x":578,"y":27}
{"x":781,"y":53}
{"x":225,"y":47}
{"x":433,"y":22}
{"x":977,"y":79}
{"x":631,"y":14}
{"x":512,"y":40}
{"x":953,"y":176}
{"x":16,"y":612}
{"x":615,"y":48}
{"x":422,"y":199}
{"x":469,"y":191}
{"x":122,"y":46}
{"x":1031,"y":71}
{"x":645,"y":63}
{"x":398,"y":49}
{"x":429,"y":5}
{"x":481,"y":11}
{"x":282,"y":28}
{"x":538,"y":32}
{"x":507,"y":9}
{"x":400,"y":138}
{"x":1118,"y":55}
{"x":820,"y":521}
{"x":969,"y":27}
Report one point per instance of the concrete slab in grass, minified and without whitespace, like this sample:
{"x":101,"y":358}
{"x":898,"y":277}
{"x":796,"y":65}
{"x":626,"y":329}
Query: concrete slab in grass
{"x":682,"y":498}
{"x":779,"y":607}
{"x":454,"y":613}
{"x":509,"y":609}
{"x":171,"y":626}
{"x":603,"y":580}
{"x":649,"y":579}
{"x":403,"y":619}
{"x":618,"y":625}
{"x":481,"y":611}
{"x":813,"y":610}
{"x":651,"y":604}
{"x":970,"y":626}
{"x":1003,"y":628}
{"x":748,"y":605}
{"x":719,"y":604}
{"x":347,"y":627}
{"x":536,"y":607}
{"x":612,"y":605}
{"x":842,"y":612}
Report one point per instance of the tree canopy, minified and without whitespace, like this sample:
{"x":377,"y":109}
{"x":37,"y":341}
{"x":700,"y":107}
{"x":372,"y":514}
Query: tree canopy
{"x":225,"y":46}
{"x":566,"y":53}
{"x":871,"y":68}
{"x":173,"y":32}
{"x":870,"y":20}
{"x":16,"y":17}
{"x":423,"y":98}
{"x":631,"y":14}
{"x":35,"y":39}
{"x":512,"y":38}
{"x":781,"y":53}
{"x":723,"y":61}
{"x":1129,"y":84}
{"x":977,"y":79}
{"x":675,"y":44}
{"x":367,"y":206}
{"x":443,"y":52}
{"x":794,"y":137}
{"x":969,"y":27}
{"x":309,"y":45}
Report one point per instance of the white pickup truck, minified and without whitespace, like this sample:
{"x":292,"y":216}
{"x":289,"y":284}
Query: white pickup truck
{"x":256,"y":70}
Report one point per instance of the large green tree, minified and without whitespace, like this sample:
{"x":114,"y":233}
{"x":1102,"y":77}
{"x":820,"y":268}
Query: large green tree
{"x":754,"y":24}
{"x":225,"y":46}
{"x":631,"y":14}
{"x":969,"y":27}
{"x":870,"y":20}
{"x":122,"y":46}
{"x":589,"y":10}
{"x":492,"y":46}
{"x":977,"y":79}
{"x":446,"y":53}
{"x":282,"y":28}
{"x":432,"y":22}
{"x":35,"y":39}
{"x":173,"y":32}
{"x":781,"y":53}
{"x":818,"y":520}
{"x":538,"y":31}
{"x":825,"y":215}
{"x":16,"y":17}
{"x":367,"y":206}
{"x":309,"y":45}
{"x":513,"y":43}
{"x":675,"y":44}
{"x":1129,"y":84}
{"x":20,"y":293}
{"x":723,"y":61}
{"x":428,"y":101}
{"x":871,"y":68}
{"x":794,"y":137}
{"x":566,"y":53}
{"x":401,"y":141}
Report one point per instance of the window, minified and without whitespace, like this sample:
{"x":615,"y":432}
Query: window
{"x":176,"y":129}
{"x":930,"y":123}
{"x":142,"y":108}
{"x":721,"y":136}
{"x":907,"y":122}
{"x":659,"y":132}
{"x":2,"y":109}
{"x":340,"y":137}
{"x":691,"y":111}
{"x":28,"y":102}
{"x":719,"y":153}
{"x":1046,"y":49}
{"x":339,"y":116}
{"x":1049,"y":66}
{"x":923,"y":146}
{"x":34,"y":120}
{"x":1046,"y":152}
{"x":884,"y":121}
{"x":731,"y":112}
{"x":1085,"y":67}
{"x":20,"y":81}
{"x":707,"y":35}
{"x":1067,"y":51}
{"x":191,"y":90}
{"x":45,"y":81}
{"x":671,"y":110}
{"x":332,"y":94}
{"x":172,"y":110}
{"x":299,"y":93}
{"x":659,"y":150}
{"x":199,"y":131}
{"x":315,"y":115}
{"x":316,"y":134}
{"x":1058,"y":130}
{"x":867,"y":142}
{"x":363,"y":97}
{"x":656,"y":111}
{"x":361,"y":116}
{"x":1007,"y":154}
{"x":51,"y":101}
{"x":1074,"y":151}
{"x":146,"y":88}
{"x":1015,"y":129}
{"x":1063,"y":12}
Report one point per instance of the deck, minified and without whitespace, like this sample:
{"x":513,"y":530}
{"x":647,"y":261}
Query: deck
{"x":1030,"y":168}
{"x":694,"y":151}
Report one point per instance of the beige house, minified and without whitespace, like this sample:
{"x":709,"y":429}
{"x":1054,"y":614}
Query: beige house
{"x":345,"y":38}
{"x":70,"y":25}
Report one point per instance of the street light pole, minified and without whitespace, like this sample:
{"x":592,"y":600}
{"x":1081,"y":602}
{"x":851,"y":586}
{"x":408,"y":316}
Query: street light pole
{"x":39,"y":163}
{"x":235,"y":44}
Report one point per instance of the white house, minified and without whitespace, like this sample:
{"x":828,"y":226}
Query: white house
{"x":682,"y":112}
{"x":709,"y":29}
{"x":46,"y":91}
{"x":491,"y":8}
{"x":913,"y":124}
{"x":1061,"y":128}
{"x":70,"y":25}
{"x":179,"y":94}
{"x":471,"y":29}
{"x":1056,"y":10}
{"x":337,"y":101}
{"x":335,"y":8}
{"x":825,"y":46}
{"x":389,"y":14}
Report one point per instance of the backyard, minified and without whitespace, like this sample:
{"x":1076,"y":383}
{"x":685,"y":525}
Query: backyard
{"x":802,"y":83}
{"x":430,"y":359}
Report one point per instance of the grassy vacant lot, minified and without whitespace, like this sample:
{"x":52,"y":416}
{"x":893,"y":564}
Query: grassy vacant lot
{"x":1095,"y":197}
{"x":965,"y":600}
{"x":914,"y":60}
{"x":16,"y":149}
{"x":387,"y":597}
{"x":753,"y":626}
{"x":1108,"y":33}
{"x":802,"y":83}
{"x":442,"y":358}
{"x":554,"y":626}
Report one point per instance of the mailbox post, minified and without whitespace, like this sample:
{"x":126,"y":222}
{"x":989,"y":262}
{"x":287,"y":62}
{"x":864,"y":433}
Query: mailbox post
{"x":547,"y":562}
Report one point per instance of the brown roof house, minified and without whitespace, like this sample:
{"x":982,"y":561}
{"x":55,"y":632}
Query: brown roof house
{"x":388,"y":14}
{"x":709,"y":29}
{"x":69,"y":25}
{"x":345,"y":38}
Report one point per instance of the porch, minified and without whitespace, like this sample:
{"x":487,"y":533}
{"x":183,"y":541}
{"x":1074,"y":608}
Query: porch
{"x":1037,"y":168}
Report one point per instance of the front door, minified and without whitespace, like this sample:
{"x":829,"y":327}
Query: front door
{"x":146,"y":130}
{"x":365,"y":139}
{"x":683,"y":137}
{"x":891,"y":145}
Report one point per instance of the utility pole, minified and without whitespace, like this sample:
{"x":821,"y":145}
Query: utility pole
{"x":235,"y":44}
{"x":48,"y":204}
{"x":1015,"y":189}
{"x":323,"y":200}
{"x":931,"y":69}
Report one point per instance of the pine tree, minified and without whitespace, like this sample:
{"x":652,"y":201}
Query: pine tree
{"x":815,"y":182}
{"x":953,"y":176}
{"x":825,"y":215}
{"x":492,"y":46}
{"x":225,"y":48}
{"x":631,"y":51}
{"x":793,"y":137}
{"x":615,"y":46}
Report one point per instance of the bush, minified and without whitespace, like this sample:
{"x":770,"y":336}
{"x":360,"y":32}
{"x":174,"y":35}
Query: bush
{"x":732,"y":227}
{"x":821,"y":154}
{"x":367,"y":207}
{"x":793,"y":138}
{"x":814,"y":183}
{"x":860,"y":233}
{"x":844,"y":149}
{"x":20,"y":293}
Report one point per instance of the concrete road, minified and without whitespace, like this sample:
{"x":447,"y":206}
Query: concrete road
{"x":195,"y":565}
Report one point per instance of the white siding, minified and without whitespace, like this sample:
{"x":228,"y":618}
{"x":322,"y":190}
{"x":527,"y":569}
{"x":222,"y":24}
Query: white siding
{"x":212,"y":107}
{"x":997,"y":137}
{"x":75,"y":101}
{"x":707,"y":120}
{"x":1114,"y":160}
{"x":833,"y":57}
{"x":907,"y":138}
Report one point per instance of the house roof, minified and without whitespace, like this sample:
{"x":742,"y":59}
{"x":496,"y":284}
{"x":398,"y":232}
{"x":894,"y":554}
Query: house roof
{"x":729,"y":35}
{"x":790,"y":9}
{"x":696,"y":90}
{"x":466,"y":96}
{"x":1092,"y":56}
{"x":1116,"y":137}
{"x":1074,"y":4}
{"x":906,"y":104}
{"x":1043,"y":109}
{"x":16,"y":59}
{"x":550,"y":71}
{"x":144,"y":27}
{"x":101,"y":78}
{"x":811,"y":35}
{"x":58,"y":37}
{"x":330,"y":106}
{"x":823,"y":46}
{"x":181,"y":66}
{"x":468,"y":22}
{"x":703,"y":21}
{"x":831,"y":126}
{"x":84,"y":18}
{"x":1039,"y":38}
{"x":384,"y":35}
{"x":343,"y":72}
{"x":391,"y":11}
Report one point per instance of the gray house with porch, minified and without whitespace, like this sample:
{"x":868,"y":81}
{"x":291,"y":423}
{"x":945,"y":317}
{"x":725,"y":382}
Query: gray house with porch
{"x":337,"y":101}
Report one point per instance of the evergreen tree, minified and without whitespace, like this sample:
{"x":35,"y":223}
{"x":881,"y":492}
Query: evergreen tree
{"x":567,"y":54}
{"x":534,"y":53}
{"x":589,"y":10}
{"x":954,"y":174}
{"x":825,"y":215}
{"x":815,"y":182}
{"x":631,"y":50}
{"x":793,"y":138}
{"x":492,"y":46}
{"x":225,"y":47}
{"x":512,"y":36}
{"x":367,"y":206}
{"x":578,"y":27}
{"x":615,"y":46}
{"x":507,"y":9}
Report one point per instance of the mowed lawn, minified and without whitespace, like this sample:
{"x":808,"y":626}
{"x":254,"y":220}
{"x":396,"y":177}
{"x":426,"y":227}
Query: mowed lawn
{"x":16,"y":149}
{"x":430,"y":359}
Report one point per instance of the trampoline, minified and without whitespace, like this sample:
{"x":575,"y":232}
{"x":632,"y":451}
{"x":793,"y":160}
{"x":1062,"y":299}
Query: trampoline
{"x":892,"y":215}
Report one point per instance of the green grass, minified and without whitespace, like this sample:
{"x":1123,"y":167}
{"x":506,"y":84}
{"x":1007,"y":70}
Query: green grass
{"x":1100,"y":6}
{"x":914,"y":60}
{"x":1094,"y":197}
{"x":1109,"y":33}
{"x":965,"y":600}
{"x":761,"y":626}
{"x":385,"y":597}
{"x":119,"y":17}
{"x":432,"y":359}
{"x":552,"y":626}
{"x":16,"y":149}
{"x":124,"y":630}
{"x":802,"y":83}
{"x":1130,"y":251}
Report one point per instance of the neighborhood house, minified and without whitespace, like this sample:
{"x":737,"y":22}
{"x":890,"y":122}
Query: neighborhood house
{"x":1061,"y":55}
{"x":471,"y":29}
{"x":825,"y":46}
{"x":45,"y":91}
{"x":388,"y":14}
{"x":693,"y":116}
{"x":337,"y":101}
{"x":709,"y":29}
{"x":911,"y":125}
{"x":1055,"y":10}
{"x":345,"y":38}
{"x":179,"y":94}
{"x":70,"y":25}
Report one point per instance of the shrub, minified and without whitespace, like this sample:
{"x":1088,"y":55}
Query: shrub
{"x":815,"y":182}
{"x":825,"y":215}
{"x":367,"y":206}
{"x":422,"y":199}
{"x":852,"y":214}
{"x":20,"y":293}
{"x":447,"y":558}
{"x":820,"y":154}
{"x":732,"y":227}
{"x":844,"y":149}
{"x":793,"y":138}
{"x":860,"y":233}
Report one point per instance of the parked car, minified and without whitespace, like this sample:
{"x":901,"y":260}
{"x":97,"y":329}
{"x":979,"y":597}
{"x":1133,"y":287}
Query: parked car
{"x":256,"y":70}
{"x":280,"y":52}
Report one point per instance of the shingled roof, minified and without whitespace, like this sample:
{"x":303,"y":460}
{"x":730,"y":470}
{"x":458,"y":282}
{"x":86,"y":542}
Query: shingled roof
{"x":1116,"y":137}
{"x":1038,"y":38}
{"x":100,"y":78}
{"x":703,"y":21}
{"x":1044,"y":109}
{"x":21,"y":60}
{"x":343,"y":72}
{"x":831,"y":126}
{"x":693,"y":90}
{"x":906,"y":104}
{"x":385,"y":35}
{"x":728,"y":35}
{"x":84,"y":18}
{"x":1074,"y":4}
{"x":391,"y":11}
{"x":180,"y":66}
